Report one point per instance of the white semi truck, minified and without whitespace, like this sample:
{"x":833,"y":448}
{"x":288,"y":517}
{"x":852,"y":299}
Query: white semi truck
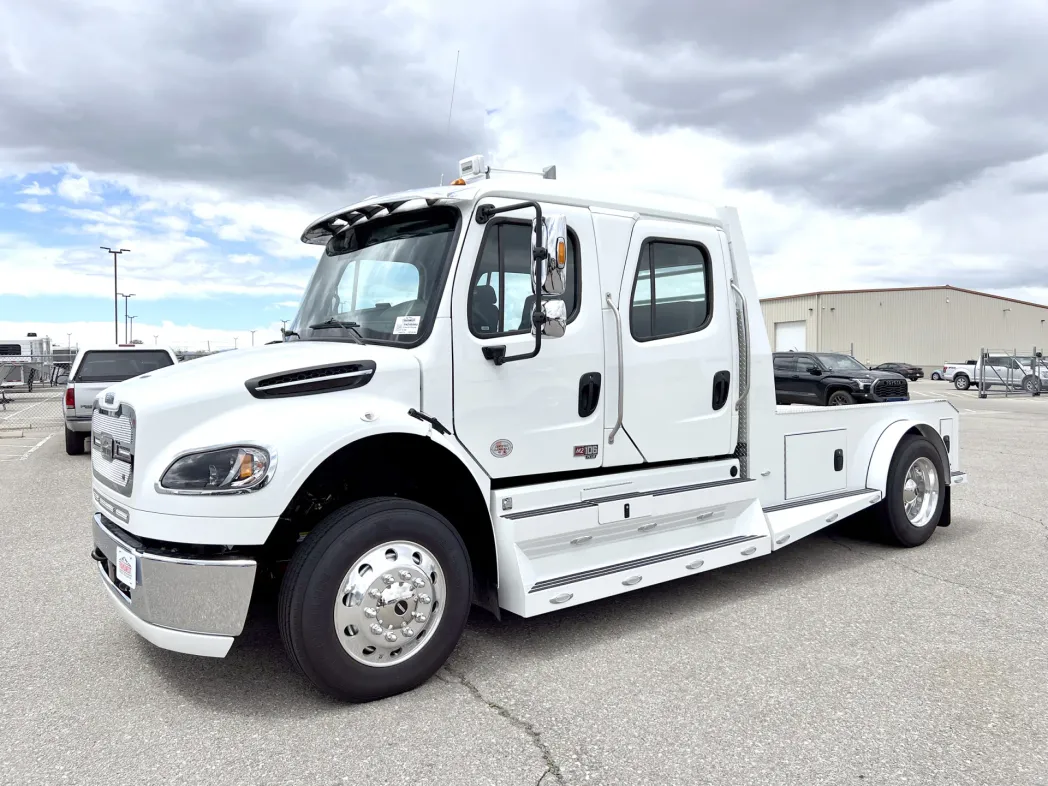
{"x":508,"y":392}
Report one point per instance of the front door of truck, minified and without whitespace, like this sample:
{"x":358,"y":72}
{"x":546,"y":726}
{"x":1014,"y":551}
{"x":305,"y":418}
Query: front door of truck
{"x":544,"y":414}
{"x":678,"y":342}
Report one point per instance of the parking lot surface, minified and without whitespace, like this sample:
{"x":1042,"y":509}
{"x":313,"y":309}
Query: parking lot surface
{"x":833,"y":661}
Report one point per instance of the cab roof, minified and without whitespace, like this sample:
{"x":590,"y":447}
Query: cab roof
{"x":637,"y":203}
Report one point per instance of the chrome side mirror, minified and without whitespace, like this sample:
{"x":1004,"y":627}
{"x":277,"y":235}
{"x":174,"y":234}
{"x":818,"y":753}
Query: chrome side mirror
{"x":555,"y":314}
{"x":551,"y":257}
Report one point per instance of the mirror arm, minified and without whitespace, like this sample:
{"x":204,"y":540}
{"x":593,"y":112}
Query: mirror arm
{"x":497,"y":354}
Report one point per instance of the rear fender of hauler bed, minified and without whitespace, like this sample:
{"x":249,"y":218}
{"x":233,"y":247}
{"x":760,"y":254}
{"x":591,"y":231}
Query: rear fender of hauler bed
{"x":884,"y":451}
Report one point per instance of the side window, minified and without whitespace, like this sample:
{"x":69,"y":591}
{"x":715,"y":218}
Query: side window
{"x":500,"y":299}
{"x":787,"y":364}
{"x":671,"y":292}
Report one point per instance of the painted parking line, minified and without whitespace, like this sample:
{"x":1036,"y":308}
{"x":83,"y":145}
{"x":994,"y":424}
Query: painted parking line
{"x":24,"y":451}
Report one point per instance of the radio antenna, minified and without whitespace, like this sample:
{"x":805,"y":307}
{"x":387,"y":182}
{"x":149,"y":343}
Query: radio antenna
{"x":454,"y":80}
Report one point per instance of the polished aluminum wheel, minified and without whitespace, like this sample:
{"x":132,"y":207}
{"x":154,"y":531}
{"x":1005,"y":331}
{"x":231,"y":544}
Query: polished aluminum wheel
{"x":389,"y":603}
{"x":920,"y":492}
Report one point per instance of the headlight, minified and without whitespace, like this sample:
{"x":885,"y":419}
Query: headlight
{"x":862,"y":382}
{"x":229,"y":470}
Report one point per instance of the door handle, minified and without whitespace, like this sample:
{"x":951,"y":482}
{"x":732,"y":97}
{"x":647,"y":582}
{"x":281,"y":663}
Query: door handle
{"x":589,"y":393}
{"x":721,"y":388}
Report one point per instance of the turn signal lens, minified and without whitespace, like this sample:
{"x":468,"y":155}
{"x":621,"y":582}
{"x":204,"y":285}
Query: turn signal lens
{"x":562,"y":252}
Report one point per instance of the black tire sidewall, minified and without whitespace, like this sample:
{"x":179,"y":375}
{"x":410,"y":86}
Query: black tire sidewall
{"x":849,"y":399}
{"x":312,"y":586}
{"x":898,"y":526}
{"x":957,"y":382}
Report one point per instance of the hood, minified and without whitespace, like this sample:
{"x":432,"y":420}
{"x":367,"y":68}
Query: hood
{"x":180,"y":397}
{"x":867,"y":374}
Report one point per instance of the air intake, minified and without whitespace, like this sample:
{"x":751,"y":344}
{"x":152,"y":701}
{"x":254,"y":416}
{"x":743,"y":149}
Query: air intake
{"x":313,"y":380}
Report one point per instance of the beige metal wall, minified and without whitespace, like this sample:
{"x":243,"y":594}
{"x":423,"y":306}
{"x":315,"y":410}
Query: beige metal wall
{"x":923,"y":327}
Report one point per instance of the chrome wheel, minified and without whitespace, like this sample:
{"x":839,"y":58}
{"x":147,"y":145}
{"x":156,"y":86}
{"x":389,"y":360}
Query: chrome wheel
{"x":920,"y":492}
{"x":389,"y":603}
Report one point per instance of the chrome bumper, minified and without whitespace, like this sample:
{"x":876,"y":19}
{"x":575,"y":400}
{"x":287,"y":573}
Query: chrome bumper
{"x":179,"y":603}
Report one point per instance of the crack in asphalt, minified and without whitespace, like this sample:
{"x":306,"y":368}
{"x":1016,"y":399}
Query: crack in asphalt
{"x":552,"y":768}
{"x":998,"y":508}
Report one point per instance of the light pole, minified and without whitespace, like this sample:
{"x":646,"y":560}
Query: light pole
{"x":132,"y":329}
{"x":235,"y":339}
{"x":126,"y":298}
{"x":252,"y":338}
{"x":155,"y":337}
{"x":69,"y":340}
{"x":116,"y":330}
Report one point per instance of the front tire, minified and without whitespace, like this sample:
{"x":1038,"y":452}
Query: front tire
{"x":840,"y":398}
{"x":936,"y":376}
{"x":961,"y":382}
{"x":376,"y":598}
{"x":916,"y":493}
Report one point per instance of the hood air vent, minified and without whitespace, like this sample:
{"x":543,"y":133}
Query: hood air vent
{"x":309,"y":381}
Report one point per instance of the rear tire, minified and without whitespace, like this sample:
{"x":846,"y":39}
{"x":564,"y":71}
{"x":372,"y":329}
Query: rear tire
{"x":936,"y":376}
{"x":961,"y":382}
{"x":326,"y":587}
{"x":916,"y":493}
{"x":74,"y":442}
{"x":1032,"y":384}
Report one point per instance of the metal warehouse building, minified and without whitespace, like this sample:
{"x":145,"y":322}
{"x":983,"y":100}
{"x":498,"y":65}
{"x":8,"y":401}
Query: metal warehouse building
{"x":925,"y":326}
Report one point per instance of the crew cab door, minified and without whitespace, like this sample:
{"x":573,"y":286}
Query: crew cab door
{"x":678,"y":342}
{"x":542,"y":414}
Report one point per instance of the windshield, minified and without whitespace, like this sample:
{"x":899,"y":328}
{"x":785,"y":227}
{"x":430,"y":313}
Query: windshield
{"x":380,"y":281}
{"x":117,"y":365}
{"x":841,"y":363}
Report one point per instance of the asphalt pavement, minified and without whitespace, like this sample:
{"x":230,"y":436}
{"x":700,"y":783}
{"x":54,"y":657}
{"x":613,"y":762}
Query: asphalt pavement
{"x":833,"y":661}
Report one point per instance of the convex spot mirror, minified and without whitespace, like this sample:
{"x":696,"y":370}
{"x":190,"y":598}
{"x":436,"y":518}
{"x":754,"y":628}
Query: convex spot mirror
{"x":551,"y":257}
{"x":555,"y":318}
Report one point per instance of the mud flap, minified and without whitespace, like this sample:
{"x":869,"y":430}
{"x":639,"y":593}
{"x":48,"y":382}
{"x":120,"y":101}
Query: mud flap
{"x":944,"y":519}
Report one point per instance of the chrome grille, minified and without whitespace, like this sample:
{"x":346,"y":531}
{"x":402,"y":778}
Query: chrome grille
{"x":116,"y":426}
{"x":108,"y":430}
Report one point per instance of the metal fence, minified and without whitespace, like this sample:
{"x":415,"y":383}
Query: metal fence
{"x":31,"y":391}
{"x":1008,"y":372}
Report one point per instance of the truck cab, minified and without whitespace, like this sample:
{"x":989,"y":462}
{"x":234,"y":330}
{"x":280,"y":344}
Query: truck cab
{"x":510,"y":392}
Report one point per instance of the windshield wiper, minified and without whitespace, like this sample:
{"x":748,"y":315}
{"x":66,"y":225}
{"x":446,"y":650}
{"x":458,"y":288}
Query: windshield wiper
{"x":337,"y":323}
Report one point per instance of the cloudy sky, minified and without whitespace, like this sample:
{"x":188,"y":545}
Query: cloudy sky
{"x":888,"y":143}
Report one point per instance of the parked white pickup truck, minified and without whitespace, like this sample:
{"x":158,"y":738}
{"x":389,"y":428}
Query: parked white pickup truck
{"x":95,"y":369}
{"x":510,"y":391}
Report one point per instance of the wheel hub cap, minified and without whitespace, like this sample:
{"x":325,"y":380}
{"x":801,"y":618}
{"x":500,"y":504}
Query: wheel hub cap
{"x":920,"y":492}
{"x":389,"y":603}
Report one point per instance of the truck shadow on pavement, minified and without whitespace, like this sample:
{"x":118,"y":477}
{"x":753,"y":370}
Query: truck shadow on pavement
{"x":256,"y":678}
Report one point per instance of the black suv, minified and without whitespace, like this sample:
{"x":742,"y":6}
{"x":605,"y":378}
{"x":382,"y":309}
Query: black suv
{"x":912,"y":373}
{"x":833,"y":379}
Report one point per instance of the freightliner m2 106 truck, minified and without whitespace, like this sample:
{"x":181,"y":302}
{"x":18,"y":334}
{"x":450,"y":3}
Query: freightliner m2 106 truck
{"x":506,"y":392}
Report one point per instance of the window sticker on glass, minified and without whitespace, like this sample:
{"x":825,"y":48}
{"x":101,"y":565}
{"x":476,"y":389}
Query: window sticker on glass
{"x":406,"y":326}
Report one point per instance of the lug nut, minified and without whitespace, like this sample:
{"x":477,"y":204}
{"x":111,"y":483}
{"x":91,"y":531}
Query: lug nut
{"x":374,"y":593}
{"x":419,"y":617}
{"x":370,"y":613}
{"x":418,"y":583}
{"x":404,"y":575}
{"x":424,"y":598}
{"x":388,"y":579}
{"x":391,"y":637}
{"x":409,"y":632}
{"x":376,"y":628}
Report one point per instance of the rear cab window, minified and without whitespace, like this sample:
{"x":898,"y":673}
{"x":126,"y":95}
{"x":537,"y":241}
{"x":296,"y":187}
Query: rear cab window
{"x":100,"y":365}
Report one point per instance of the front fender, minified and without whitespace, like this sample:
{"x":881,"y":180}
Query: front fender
{"x":884,"y":450}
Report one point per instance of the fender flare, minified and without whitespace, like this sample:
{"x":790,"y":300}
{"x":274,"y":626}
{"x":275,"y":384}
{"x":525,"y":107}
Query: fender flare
{"x":392,"y":419}
{"x":888,"y":442}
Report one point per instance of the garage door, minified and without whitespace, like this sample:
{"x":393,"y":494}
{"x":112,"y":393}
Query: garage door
{"x":790,"y":336}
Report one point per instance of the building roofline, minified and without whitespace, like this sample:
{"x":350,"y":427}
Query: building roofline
{"x":903,"y":289}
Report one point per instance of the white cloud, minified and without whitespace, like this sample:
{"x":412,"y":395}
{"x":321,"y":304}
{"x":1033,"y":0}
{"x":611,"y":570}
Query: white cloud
{"x":77,"y":189}
{"x":32,"y":206}
{"x":35,"y":189}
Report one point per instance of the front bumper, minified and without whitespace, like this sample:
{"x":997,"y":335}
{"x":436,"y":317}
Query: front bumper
{"x":180,"y":603}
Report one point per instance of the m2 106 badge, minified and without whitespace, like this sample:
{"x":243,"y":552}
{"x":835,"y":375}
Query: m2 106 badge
{"x":586,"y":451}
{"x":501,"y":448}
